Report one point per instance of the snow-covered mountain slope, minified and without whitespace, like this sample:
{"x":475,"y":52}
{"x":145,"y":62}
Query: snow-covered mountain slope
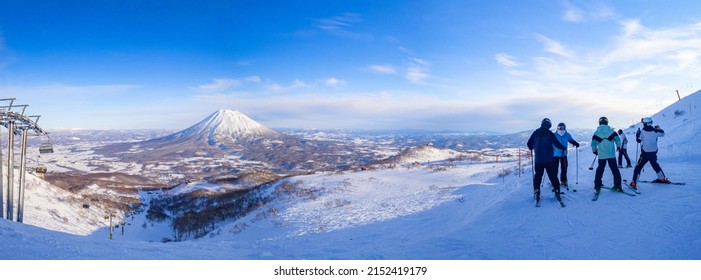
{"x":53,"y":208}
{"x":462,"y":211}
{"x":681,"y":122}
{"x":426,"y":153}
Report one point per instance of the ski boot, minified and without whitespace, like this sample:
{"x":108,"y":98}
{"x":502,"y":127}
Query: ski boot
{"x":557,"y":195}
{"x":661,"y":181}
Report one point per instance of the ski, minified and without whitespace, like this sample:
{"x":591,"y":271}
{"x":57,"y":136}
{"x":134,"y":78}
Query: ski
{"x":596,"y":196}
{"x":670,"y":183}
{"x":621,"y":191}
{"x":625,"y":182}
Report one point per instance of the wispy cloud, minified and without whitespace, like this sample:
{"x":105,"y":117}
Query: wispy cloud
{"x":383,"y":69}
{"x":278,"y":88}
{"x":640,"y":61}
{"x":340,"y":25}
{"x":218,"y":85}
{"x":572,"y":13}
{"x":591,"y":12}
{"x":417,"y":71}
{"x":553,"y":46}
{"x":334,"y":83}
{"x":338,"y":22}
{"x":224,"y":84}
{"x":253,"y":79}
{"x":506,"y":60}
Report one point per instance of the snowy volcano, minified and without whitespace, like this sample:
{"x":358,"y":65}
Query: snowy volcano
{"x":223,"y":127}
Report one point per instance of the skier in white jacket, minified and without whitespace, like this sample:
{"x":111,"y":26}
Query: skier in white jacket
{"x":648,"y":142}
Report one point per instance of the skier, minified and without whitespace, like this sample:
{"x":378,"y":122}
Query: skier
{"x":648,"y":147}
{"x":604,"y":143}
{"x":542,"y":141}
{"x":624,"y":150}
{"x":560,"y":155}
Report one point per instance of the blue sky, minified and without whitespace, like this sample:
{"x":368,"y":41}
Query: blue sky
{"x":438,"y":65}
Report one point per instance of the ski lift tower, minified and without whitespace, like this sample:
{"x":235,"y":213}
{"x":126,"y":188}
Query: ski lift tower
{"x":17,"y":123}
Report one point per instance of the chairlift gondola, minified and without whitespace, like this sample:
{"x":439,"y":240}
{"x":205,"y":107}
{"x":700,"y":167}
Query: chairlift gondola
{"x":41,"y":169}
{"x":46,"y":147}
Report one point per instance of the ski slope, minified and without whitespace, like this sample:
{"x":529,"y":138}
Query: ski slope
{"x":436,"y":211}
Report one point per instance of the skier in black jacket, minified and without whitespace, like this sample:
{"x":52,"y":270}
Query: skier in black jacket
{"x":542,"y":141}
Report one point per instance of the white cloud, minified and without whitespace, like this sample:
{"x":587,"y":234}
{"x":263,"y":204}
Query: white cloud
{"x":253,"y":79}
{"x":417,"y":71}
{"x":572,"y":13}
{"x":334,"y":83}
{"x":631,"y":27}
{"x":218,"y":85}
{"x":590,"y":12}
{"x":340,"y":25}
{"x":640,"y":67}
{"x":383,"y":69}
{"x":506,"y":60}
{"x":277,"y":88}
{"x":338,"y":22}
{"x":553,"y":46}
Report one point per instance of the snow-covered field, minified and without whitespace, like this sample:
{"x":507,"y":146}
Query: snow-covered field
{"x":439,"y":211}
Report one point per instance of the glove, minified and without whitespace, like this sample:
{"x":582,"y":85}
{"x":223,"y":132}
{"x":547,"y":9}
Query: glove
{"x":596,"y":153}
{"x":618,"y":149}
{"x":576,"y":145}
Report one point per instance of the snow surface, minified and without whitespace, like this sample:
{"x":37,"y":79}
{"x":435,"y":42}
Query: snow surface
{"x":461,"y":211}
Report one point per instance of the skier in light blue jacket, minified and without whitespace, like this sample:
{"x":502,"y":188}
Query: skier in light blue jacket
{"x":604,"y":144}
{"x":560,"y":155}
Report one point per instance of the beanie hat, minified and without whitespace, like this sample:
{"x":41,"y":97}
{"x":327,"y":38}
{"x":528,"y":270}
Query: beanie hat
{"x":561,"y":126}
{"x":604,"y":120}
{"x":546,"y":123}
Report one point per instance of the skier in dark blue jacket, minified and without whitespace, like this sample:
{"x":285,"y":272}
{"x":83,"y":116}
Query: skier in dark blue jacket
{"x":543,"y":141}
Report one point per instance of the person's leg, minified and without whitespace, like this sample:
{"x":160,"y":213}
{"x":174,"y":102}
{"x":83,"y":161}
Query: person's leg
{"x":625,"y":154}
{"x":639,"y":167}
{"x":551,"y":169}
{"x":564,"y":164}
{"x":599,"y":173}
{"x":616,"y":173}
{"x":537,"y":179}
{"x":656,"y":166}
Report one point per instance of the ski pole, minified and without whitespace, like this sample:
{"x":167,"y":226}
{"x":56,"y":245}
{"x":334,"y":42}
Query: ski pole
{"x":576,"y":152}
{"x":592,"y":163}
{"x":532,"y":166}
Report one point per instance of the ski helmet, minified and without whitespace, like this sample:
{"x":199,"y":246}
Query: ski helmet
{"x":647,"y":120}
{"x":561,"y":126}
{"x":546,"y":123}
{"x":604,"y":120}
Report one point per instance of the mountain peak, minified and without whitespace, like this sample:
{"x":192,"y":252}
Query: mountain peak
{"x":223,"y":126}
{"x":230,"y":124}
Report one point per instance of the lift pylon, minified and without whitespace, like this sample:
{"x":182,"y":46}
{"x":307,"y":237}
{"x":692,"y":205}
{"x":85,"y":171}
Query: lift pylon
{"x":17,"y":123}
